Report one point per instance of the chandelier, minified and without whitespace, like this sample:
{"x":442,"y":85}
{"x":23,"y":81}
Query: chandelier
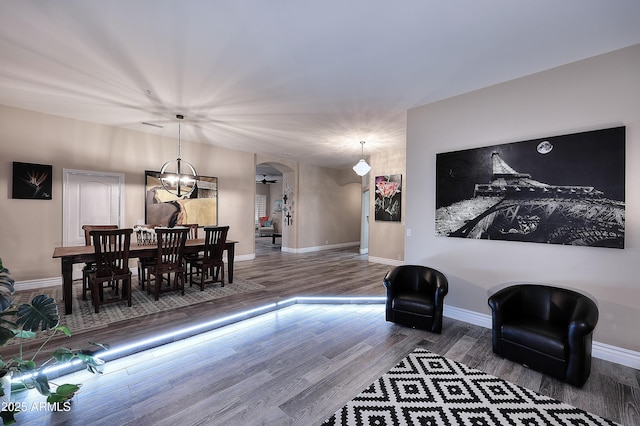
{"x":362,"y":168}
{"x":178,"y":177}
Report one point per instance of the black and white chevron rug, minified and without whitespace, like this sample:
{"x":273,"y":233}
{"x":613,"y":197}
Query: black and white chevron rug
{"x":428,"y":389}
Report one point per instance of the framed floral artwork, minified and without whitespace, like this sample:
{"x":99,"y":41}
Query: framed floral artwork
{"x":388,"y":198}
{"x":32,"y":181}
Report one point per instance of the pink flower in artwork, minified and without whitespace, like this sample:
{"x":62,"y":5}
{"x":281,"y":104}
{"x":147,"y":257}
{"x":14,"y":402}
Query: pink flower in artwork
{"x":387,"y":189}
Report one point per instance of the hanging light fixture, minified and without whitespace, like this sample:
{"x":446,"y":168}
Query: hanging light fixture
{"x":362,"y":168}
{"x":172,"y":174}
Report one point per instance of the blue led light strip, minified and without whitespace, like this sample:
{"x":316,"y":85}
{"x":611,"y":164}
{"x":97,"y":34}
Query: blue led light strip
{"x":155,"y":341}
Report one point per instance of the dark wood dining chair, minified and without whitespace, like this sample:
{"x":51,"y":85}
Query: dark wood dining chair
{"x":90,"y":266}
{"x":169,"y":261}
{"x":145,"y":263}
{"x":193,"y":235}
{"x":111,"y":247}
{"x":210,"y":262}
{"x":193,"y":230}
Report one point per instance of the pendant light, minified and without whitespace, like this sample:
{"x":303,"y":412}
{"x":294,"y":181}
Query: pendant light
{"x":178,"y":177}
{"x":362,"y":168}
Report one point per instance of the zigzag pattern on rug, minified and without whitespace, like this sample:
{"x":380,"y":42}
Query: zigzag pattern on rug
{"x":428,"y":389}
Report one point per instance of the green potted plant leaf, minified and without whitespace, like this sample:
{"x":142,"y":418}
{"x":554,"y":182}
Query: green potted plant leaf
{"x":25,"y":322}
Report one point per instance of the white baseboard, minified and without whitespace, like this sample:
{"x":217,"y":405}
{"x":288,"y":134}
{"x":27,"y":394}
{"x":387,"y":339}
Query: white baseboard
{"x":243,"y":257}
{"x":468,"y":316}
{"x":320,"y":248}
{"x":385,"y":261}
{"x":603,"y":351}
{"x":615,"y":354}
{"x":36,"y":284}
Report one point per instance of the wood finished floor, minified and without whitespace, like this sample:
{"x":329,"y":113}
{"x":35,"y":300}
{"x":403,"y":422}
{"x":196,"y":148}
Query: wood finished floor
{"x":298,"y":365}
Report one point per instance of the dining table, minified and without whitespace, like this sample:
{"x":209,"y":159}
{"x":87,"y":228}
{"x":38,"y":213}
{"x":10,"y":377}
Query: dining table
{"x":71,"y":255}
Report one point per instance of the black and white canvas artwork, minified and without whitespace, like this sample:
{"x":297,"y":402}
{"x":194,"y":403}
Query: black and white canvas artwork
{"x":566,"y":189}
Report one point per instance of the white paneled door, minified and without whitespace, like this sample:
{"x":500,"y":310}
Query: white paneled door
{"x":90,"y":198}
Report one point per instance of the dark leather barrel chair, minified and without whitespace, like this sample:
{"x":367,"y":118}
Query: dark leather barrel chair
{"x":545,"y":328}
{"x":415,"y":296}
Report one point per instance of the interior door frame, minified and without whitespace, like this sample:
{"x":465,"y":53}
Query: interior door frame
{"x":364,"y":223}
{"x":66,"y":174}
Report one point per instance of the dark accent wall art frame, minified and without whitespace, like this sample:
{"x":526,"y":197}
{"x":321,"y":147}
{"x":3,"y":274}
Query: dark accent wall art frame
{"x":388,"y":201}
{"x":166,"y":209}
{"x":566,"y":189}
{"x":32,"y":181}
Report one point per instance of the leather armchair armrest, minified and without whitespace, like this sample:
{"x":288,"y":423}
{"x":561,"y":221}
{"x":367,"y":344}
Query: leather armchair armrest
{"x":442,"y":288}
{"x":505,"y":303}
{"x":389,"y":277}
{"x":441,"y":292}
{"x":388,"y":281}
{"x":502,"y":303}
{"x":580,"y":336}
{"x":583,"y":320}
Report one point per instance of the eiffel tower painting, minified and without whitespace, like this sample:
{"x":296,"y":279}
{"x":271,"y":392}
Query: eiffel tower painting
{"x":561,"y":190}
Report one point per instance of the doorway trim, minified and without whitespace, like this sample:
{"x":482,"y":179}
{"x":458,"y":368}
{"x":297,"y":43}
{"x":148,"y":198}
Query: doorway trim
{"x":364,"y":221}
{"x":67,"y":174}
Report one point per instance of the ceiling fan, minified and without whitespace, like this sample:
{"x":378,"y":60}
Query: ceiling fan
{"x":265,"y":181}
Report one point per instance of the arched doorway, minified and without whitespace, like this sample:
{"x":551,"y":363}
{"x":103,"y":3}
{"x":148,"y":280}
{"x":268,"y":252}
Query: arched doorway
{"x":268,"y":207}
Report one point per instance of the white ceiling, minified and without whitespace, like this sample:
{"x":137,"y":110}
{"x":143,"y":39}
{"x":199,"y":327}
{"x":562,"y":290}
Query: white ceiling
{"x":302,"y":79}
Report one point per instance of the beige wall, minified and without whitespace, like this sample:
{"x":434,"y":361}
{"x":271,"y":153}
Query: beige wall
{"x":596,"y":93}
{"x":327,"y":210}
{"x":31,"y":229}
{"x":325,"y":205}
{"x":386,"y":239}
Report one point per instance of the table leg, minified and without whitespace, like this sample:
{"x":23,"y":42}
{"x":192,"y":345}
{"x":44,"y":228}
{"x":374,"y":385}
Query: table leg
{"x":67,"y":284}
{"x":230,"y":257}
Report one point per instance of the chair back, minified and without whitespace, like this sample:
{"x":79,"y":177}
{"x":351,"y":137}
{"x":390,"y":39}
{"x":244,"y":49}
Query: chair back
{"x":215,"y":238}
{"x":88,"y":228}
{"x":193,"y":230}
{"x":171,"y":242}
{"x":111,"y":247}
{"x":416,"y":278}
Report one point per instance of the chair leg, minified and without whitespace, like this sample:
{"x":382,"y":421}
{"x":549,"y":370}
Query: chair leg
{"x":129,"y":290}
{"x":140,"y":275}
{"x":157,"y":283}
{"x":203,"y":274}
{"x":187,"y":268}
{"x":85,"y":284}
{"x":95,"y":295}
{"x":222,"y":275}
{"x":191,"y":267}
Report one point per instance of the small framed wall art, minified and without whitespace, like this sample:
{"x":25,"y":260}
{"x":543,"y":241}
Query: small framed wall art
{"x":388,"y":198}
{"x":32,"y":181}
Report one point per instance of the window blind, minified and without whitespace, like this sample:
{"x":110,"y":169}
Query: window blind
{"x":261,"y":206}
